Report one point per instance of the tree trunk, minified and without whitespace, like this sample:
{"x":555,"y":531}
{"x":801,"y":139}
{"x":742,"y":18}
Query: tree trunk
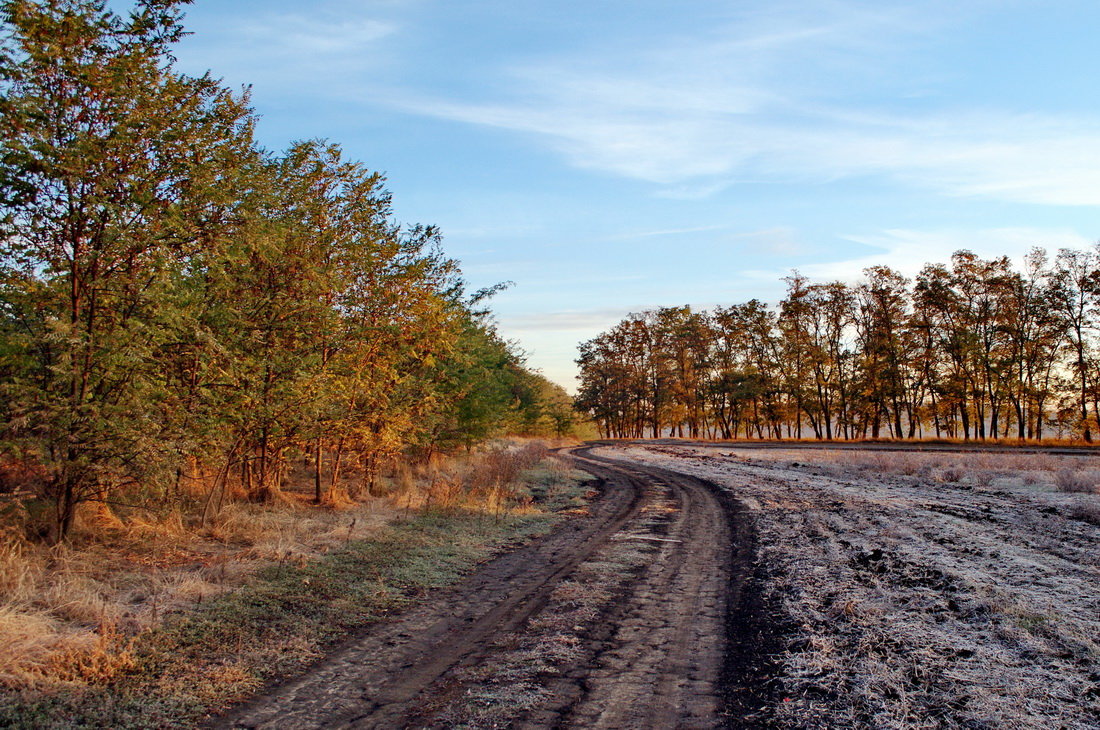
{"x":318,"y":490}
{"x":337,"y":461}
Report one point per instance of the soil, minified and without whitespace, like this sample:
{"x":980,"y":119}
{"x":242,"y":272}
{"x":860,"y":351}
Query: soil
{"x":651,"y":653}
{"x":718,"y":586}
{"x":957,"y":589}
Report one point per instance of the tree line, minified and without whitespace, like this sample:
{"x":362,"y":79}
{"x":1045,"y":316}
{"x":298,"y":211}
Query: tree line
{"x":178,"y":303}
{"x":973,"y":349}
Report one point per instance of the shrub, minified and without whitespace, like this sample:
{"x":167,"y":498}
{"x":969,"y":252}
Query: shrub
{"x":1085,"y":512}
{"x":1073,"y":480}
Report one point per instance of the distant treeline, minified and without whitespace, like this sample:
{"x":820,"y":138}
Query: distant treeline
{"x":970,"y":350}
{"x":177,"y":303}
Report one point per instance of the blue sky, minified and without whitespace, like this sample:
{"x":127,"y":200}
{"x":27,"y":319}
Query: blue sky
{"x":614,"y":155}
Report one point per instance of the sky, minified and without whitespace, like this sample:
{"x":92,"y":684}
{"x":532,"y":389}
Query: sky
{"x":611,"y":156}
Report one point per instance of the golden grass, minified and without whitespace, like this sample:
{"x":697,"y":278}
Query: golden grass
{"x":20,"y":568}
{"x":68,"y":612}
{"x":28,"y":638}
{"x":99,"y":661}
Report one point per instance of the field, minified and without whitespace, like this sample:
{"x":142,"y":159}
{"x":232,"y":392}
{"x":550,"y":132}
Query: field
{"x":686,"y":584}
{"x":921,"y":590}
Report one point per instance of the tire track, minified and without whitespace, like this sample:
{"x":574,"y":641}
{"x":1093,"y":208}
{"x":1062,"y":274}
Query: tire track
{"x":675,"y":650}
{"x":669,"y":665}
{"x":375,"y":679}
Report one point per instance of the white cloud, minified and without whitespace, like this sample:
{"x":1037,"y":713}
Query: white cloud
{"x":776,"y":97}
{"x":1004,"y":156}
{"x":908,"y":251}
{"x":1024,"y":158}
{"x":322,"y":52}
{"x":294,"y":33}
{"x":576,"y":320}
{"x":778,"y":241}
{"x":666,"y":232}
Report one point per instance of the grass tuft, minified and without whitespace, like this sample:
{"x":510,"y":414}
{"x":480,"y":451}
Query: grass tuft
{"x":1077,"y":481}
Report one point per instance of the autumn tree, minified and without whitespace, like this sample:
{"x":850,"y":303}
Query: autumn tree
{"x":971,"y":349}
{"x":881,"y":324}
{"x":179,"y":304}
{"x":1076,"y":296}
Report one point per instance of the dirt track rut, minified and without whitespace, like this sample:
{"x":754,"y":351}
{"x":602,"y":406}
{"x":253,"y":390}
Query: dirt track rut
{"x":664,"y":665}
{"x":657,"y":657}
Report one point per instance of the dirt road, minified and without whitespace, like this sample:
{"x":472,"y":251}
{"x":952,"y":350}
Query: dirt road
{"x":620,"y":619}
{"x":713,"y":585}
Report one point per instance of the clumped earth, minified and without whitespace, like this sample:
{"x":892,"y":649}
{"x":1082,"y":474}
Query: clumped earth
{"x":920,"y":590}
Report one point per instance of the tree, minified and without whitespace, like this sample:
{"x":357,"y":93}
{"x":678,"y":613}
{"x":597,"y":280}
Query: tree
{"x":116,"y":171}
{"x":881,"y":330}
{"x":1076,"y":297}
{"x":970,"y":349}
{"x":794,"y":329}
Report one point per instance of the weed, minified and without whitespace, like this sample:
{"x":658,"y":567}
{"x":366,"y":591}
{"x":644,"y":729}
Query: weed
{"x":1077,"y":481}
{"x":950,"y":474}
{"x":1085,"y":512}
{"x":107,"y":658}
{"x":983,"y":477}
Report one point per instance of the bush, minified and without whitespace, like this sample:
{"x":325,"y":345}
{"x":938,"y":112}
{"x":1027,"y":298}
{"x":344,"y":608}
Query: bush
{"x":1085,"y":512}
{"x":1075,"y":481}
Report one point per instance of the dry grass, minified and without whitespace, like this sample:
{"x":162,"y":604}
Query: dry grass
{"x":1086,"y":512}
{"x":1026,"y":472}
{"x":1083,"y":481}
{"x":67,"y":613}
{"x":484,"y":480}
{"x":28,"y":639}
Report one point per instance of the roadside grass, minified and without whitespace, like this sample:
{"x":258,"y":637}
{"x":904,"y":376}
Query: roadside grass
{"x":193,"y":641}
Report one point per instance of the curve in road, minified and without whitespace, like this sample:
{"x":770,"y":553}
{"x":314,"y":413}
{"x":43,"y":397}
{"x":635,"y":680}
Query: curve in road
{"x":681,"y":648}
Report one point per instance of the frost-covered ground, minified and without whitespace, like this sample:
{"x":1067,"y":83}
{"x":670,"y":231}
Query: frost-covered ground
{"x":923,"y":590}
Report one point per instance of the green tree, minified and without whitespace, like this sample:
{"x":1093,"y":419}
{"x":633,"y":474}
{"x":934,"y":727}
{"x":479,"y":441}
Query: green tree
{"x":115,"y":171}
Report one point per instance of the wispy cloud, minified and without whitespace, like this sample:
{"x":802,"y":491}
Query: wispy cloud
{"x":667,"y":232}
{"x":296,"y":33}
{"x":578,"y":320}
{"x":1008,"y":156}
{"x":909,"y":250}
{"x":770,"y":97}
{"x":319,"y":52}
{"x":779,"y":241}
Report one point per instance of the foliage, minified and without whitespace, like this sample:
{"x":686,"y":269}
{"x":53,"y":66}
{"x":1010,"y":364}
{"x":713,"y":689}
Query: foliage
{"x":973,"y":349}
{"x":177,"y":304}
